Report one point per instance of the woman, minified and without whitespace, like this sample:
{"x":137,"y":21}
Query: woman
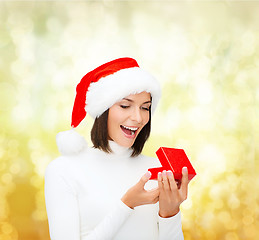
{"x":98,"y":193}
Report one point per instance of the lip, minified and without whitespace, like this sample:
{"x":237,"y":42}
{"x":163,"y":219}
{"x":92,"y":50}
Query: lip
{"x":130,"y":136}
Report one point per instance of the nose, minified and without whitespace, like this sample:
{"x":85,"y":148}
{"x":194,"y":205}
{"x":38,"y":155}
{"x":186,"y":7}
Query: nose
{"x":136,"y":115}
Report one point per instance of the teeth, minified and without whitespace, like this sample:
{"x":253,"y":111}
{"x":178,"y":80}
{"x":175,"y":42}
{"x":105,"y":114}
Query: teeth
{"x":129,"y":128}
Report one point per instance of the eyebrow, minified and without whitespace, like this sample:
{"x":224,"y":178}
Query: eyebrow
{"x":130,"y":100}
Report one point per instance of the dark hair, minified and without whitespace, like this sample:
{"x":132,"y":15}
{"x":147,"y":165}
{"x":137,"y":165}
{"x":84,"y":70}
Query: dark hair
{"x":99,"y":135}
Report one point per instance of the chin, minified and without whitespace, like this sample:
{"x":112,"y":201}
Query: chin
{"x":128,"y":143}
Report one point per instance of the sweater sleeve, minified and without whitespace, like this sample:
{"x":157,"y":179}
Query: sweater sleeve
{"x":63,"y":210}
{"x":170,"y":228}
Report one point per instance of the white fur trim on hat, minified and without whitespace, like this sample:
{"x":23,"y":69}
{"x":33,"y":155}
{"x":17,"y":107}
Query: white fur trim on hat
{"x":108,"y":90}
{"x":70,"y":142}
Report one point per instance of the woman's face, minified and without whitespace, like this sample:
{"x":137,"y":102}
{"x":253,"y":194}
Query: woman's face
{"x":127,"y":117}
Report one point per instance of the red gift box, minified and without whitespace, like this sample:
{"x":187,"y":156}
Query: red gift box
{"x":172,"y":159}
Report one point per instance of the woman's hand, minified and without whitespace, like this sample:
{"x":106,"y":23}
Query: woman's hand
{"x":171,"y":195}
{"x":137,"y":195}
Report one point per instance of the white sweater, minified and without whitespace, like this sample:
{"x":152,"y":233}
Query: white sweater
{"x":83,"y":193}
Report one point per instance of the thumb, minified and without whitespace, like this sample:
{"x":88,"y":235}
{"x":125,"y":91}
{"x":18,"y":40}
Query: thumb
{"x":144,"y":179}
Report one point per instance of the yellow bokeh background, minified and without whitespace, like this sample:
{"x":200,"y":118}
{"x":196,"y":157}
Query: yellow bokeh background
{"x":205,"y":55}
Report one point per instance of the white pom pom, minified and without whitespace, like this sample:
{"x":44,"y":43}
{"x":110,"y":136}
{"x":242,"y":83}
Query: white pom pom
{"x":70,"y":142}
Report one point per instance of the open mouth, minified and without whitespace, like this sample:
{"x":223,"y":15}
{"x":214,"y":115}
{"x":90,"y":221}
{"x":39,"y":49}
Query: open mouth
{"x":130,"y":131}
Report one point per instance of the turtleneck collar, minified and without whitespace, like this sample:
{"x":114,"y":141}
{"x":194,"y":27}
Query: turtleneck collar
{"x":118,"y":149}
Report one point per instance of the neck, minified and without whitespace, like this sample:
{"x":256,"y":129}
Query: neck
{"x":118,"y":149}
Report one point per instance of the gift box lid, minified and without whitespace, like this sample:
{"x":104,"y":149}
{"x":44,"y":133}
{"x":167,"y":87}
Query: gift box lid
{"x":173,"y":159}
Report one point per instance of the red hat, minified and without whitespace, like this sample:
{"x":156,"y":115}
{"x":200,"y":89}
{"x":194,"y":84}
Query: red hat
{"x":99,"y":89}
{"x":102,"y":87}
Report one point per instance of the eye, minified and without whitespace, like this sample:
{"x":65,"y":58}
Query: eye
{"x":146,"y":108}
{"x":124,"y":106}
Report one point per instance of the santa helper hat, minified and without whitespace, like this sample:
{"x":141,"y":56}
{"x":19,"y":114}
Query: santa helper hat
{"x":99,"y":89}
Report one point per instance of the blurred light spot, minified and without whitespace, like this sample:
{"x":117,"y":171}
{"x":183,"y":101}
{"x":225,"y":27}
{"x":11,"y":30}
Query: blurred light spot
{"x":212,"y":235}
{"x":13,"y":150}
{"x":207,"y":219}
{"x":183,"y":77}
{"x":2,"y":166}
{"x":15,"y":168}
{"x":34,"y":144}
{"x":224,"y":217}
{"x":5,"y":237}
{"x":13,"y":154}
{"x":230,"y":118}
{"x":233,"y":202}
{"x":201,"y":70}
{"x":215,"y":191}
{"x":166,"y":122}
{"x":13,"y":143}
{"x":241,"y":79}
{"x":53,"y":24}
{"x":248,"y":220}
{"x":42,"y":164}
{"x":7,"y":178}
{"x":248,"y":44}
{"x":250,"y":231}
{"x":3,"y":210}
{"x":247,"y":211}
{"x":218,"y":203}
{"x":39,"y":215}
{"x":36,"y":181}
{"x":2,"y":152}
{"x":18,"y":68}
{"x":201,"y":118}
{"x":187,"y":204}
{"x":7,"y":228}
{"x":231,"y":68}
{"x":20,"y":20}
{"x":231,"y":236}
{"x":172,"y":119}
{"x":204,"y":93}
{"x":49,"y":119}
{"x":35,"y":155}
{"x":212,"y":159}
{"x":22,"y":114}
{"x":8,"y":93}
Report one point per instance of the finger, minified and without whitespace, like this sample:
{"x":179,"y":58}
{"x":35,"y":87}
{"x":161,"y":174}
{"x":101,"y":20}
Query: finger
{"x":144,"y":179}
{"x":171,"y":179}
{"x":165,"y":181}
{"x":185,"y":181}
{"x":159,"y":179}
